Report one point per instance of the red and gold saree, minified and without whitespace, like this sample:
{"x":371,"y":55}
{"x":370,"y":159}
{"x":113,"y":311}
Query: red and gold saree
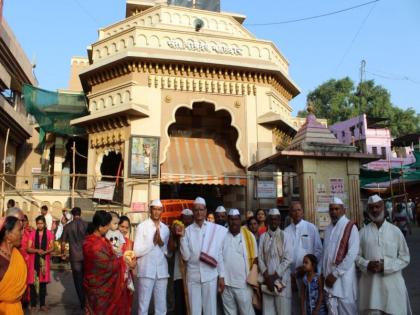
{"x":104,"y":281}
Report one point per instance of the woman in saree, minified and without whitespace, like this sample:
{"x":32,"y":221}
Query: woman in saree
{"x":40,"y":246}
{"x":104,"y":281}
{"x":13,"y":269}
{"x":27,"y":230}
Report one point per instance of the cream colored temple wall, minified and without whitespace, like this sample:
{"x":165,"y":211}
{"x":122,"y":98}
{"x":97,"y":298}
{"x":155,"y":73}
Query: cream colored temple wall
{"x":162,"y":91}
{"x":155,"y":62}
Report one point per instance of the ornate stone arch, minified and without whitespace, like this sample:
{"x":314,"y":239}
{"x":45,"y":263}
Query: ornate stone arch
{"x":217,"y":107}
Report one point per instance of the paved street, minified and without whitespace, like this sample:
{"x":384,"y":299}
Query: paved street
{"x":63,"y":301}
{"x":412,"y":272}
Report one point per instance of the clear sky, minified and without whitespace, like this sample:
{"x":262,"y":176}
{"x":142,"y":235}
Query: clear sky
{"x":386,"y":34}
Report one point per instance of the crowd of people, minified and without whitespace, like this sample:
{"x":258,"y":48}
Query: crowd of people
{"x":223,"y":267}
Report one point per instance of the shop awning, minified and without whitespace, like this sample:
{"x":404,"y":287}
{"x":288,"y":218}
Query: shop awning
{"x":200,"y":161}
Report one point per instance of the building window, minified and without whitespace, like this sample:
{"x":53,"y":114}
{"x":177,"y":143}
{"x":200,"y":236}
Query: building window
{"x":352,"y":131}
{"x":343,"y":134}
{"x":374,"y":150}
{"x":383,"y":152}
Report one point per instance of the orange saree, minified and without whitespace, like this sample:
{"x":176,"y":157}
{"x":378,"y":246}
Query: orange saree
{"x":13,"y":285}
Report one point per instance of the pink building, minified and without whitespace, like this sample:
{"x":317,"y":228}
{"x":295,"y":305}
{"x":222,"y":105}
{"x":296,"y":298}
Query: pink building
{"x":370,"y":137}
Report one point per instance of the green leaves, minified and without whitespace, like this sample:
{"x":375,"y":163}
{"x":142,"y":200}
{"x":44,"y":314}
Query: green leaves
{"x":339,"y":100}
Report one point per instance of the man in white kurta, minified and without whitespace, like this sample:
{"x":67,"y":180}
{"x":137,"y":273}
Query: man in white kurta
{"x":150,"y":248}
{"x":382,"y":257}
{"x":203,"y":280}
{"x":304,"y":239}
{"x":179,"y":273}
{"x":341,"y":245}
{"x":275,"y":255}
{"x":239,"y":254}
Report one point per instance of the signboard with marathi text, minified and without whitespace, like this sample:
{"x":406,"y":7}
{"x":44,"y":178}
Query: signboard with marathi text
{"x":266,"y":189}
{"x":104,"y":190}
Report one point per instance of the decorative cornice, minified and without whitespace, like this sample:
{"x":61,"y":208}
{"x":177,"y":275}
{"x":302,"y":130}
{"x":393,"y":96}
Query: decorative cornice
{"x":217,"y":78}
{"x":108,"y":125}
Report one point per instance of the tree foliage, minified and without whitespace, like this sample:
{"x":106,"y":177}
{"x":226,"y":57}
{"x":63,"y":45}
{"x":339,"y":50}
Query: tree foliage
{"x":339,"y":100}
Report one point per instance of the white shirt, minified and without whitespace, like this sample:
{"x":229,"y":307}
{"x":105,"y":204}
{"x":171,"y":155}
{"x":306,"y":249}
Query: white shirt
{"x":383,"y":291}
{"x":345,"y":272}
{"x":191,"y":245}
{"x":49,"y":220}
{"x":151,"y":262}
{"x":235,"y":260}
{"x":304,"y":239}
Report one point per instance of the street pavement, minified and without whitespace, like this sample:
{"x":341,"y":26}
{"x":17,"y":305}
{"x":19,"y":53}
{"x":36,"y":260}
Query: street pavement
{"x":412,"y":272}
{"x":62,"y":298}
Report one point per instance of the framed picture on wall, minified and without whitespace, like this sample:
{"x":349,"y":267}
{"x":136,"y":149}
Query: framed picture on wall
{"x":144,"y":157}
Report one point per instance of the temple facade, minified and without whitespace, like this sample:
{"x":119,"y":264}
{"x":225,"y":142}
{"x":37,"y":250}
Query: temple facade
{"x":181,"y":102}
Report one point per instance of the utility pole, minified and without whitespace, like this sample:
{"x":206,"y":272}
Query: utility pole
{"x":362,"y":77}
{"x":73,"y":181}
{"x":3,"y":175}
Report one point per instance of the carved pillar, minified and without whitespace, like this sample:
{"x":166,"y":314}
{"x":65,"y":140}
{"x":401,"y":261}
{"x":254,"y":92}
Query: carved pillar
{"x":356,"y":211}
{"x":307,"y":171}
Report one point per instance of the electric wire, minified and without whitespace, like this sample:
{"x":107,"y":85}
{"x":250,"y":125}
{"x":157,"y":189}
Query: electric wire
{"x":393,"y":77}
{"x":355,"y":37}
{"x":313,"y":17}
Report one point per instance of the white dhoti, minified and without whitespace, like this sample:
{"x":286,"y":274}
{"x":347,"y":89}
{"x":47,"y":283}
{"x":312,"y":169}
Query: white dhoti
{"x":237,"y":301}
{"x":276,"y":305}
{"x":148,"y":286}
{"x":341,"y":306}
{"x":374,"y":312}
{"x":203,"y":297}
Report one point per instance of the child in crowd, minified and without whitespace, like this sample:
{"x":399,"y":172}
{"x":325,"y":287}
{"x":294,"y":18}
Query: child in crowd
{"x":312,"y":298}
{"x":117,"y":240}
{"x":115,"y":236}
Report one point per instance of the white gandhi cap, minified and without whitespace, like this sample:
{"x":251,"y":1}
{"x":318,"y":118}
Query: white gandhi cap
{"x":220,"y":209}
{"x":336,"y":201}
{"x":374,"y":199}
{"x":234,"y":212}
{"x":187,"y":212}
{"x":274,"y":211}
{"x":200,"y":201}
{"x":156,"y":203}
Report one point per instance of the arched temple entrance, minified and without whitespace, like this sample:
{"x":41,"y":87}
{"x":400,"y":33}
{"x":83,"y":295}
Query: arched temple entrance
{"x":202,"y":158}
